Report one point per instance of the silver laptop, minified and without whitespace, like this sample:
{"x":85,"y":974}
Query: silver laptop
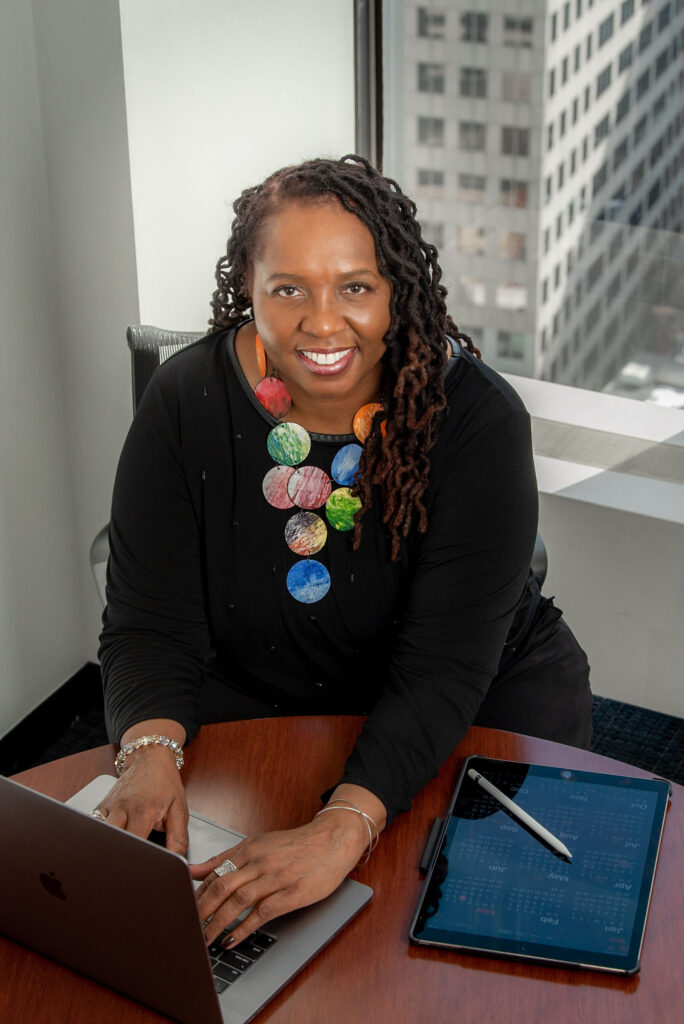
{"x":122,"y":910}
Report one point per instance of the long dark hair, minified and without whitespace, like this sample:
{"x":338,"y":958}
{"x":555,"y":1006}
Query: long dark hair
{"x":396,"y":459}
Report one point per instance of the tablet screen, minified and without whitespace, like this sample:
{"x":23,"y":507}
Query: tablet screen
{"x":495,"y":887}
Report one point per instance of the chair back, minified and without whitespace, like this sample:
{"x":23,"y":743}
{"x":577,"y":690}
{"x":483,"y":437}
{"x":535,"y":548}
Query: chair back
{"x":150,"y":346}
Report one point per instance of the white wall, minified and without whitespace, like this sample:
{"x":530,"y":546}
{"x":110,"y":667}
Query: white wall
{"x":212,"y":96}
{"x":220,"y":96}
{"x":40,"y":594}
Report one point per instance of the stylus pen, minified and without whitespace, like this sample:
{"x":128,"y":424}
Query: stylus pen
{"x":518,"y":813}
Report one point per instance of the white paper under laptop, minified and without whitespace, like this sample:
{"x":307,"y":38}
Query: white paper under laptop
{"x":122,"y":910}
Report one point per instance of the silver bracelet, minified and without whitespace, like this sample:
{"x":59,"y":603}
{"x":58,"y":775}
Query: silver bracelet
{"x":342,"y":804}
{"x":149,"y":741}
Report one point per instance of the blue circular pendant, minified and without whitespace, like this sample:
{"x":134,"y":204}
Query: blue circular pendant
{"x":308,"y":581}
{"x":345,"y":465}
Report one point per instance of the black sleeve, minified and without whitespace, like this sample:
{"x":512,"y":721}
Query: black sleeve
{"x":471,"y":570}
{"x":155,"y":638}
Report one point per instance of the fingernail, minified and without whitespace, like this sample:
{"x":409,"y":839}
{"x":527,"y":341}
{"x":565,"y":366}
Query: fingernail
{"x":227,"y":943}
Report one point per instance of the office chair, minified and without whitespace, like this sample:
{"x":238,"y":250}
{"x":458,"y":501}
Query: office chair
{"x":150,"y":346}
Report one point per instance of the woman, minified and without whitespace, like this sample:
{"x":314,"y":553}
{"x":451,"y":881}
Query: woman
{"x":298,"y":561}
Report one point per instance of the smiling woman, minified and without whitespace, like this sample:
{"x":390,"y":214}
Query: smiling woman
{"x":327,"y":505}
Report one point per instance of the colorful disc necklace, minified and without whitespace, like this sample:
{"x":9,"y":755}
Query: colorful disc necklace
{"x":307,"y":488}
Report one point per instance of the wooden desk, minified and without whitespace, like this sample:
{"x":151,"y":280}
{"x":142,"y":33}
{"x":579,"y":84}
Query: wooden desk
{"x":268,"y":774}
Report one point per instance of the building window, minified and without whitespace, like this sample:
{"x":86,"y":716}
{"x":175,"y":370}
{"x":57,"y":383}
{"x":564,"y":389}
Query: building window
{"x":431,"y":131}
{"x":603,"y":80}
{"x":571,"y":212}
{"x":599,"y":180}
{"x":513,"y":193}
{"x":562,"y":124}
{"x":513,"y":245}
{"x":643,"y":83}
{"x":564,"y":70}
{"x":431,"y":78}
{"x":474,"y":289}
{"x":606,"y":29}
{"x":554,"y":27}
{"x":640,"y":130}
{"x":654,"y":194}
{"x":594,"y":273}
{"x":587,"y":97}
{"x":638,"y":175}
{"x":623,"y":107}
{"x":602,"y":130}
{"x":559,"y":226}
{"x":472,"y":136}
{"x":659,"y":105}
{"x":663,"y":17}
{"x":566,"y":15}
{"x":433,"y":232}
{"x":661,"y":62}
{"x":552,"y":81}
{"x":471,"y":188}
{"x":625,"y":59}
{"x":578,"y":57}
{"x":471,"y":240}
{"x":474,"y":27}
{"x":561,"y":176}
{"x":515,"y":141}
{"x":518,"y":32}
{"x":626,"y":11}
{"x":473,"y":82}
{"x":547,"y":241}
{"x":431,"y":24}
{"x":548,"y":189}
{"x":578,"y":9}
{"x":620,"y":154}
{"x":510,"y":345}
{"x":585,"y":148}
{"x":656,"y":152}
{"x":515,"y":87}
{"x":549,"y":136}
{"x":589,"y":42}
{"x":430,"y":178}
{"x":645,"y":36}
{"x":575,"y":110}
{"x":511,"y":296}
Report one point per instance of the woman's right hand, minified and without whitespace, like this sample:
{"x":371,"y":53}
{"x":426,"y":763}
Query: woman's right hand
{"x":149,"y":795}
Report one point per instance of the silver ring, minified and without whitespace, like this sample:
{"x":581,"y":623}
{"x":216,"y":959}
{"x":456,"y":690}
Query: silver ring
{"x":224,"y":868}
{"x":97,"y":813}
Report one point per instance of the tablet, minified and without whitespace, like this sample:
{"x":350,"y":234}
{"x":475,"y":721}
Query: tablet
{"x":495,"y":887}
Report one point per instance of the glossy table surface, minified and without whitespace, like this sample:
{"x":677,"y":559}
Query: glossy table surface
{"x":267,"y":774}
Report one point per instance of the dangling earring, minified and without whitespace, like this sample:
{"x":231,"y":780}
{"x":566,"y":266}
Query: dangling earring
{"x":270,"y":391}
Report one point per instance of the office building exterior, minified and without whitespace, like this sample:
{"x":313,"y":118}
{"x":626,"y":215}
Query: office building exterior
{"x":544,"y":143}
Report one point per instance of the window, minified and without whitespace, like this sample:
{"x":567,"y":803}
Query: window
{"x":548,"y":189}
{"x":512,"y":245}
{"x":661,"y":62}
{"x":430,"y":178}
{"x":473,"y":289}
{"x":573,"y":162}
{"x":554,"y":27}
{"x":594,"y":273}
{"x":603,"y":80}
{"x":663,"y":17}
{"x":643,"y":83}
{"x":513,"y":193}
{"x":515,"y":141}
{"x":602,"y":130}
{"x":585,"y":148}
{"x":575,"y":110}
{"x":589,"y":41}
{"x":599,"y":180}
{"x":431,"y":78}
{"x":659,"y":105}
{"x":587,"y":97}
{"x":515,"y":87}
{"x":654,"y":194}
{"x":471,"y":240}
{"x":561,"y":176}
{"x":518,"y":32}
{"x":473,"y":82}
{"x":566,"y":15}
{"x":578,"y":57}
{"x":545,"y":290}
{"x":578,"y":9}
{"x":433,"y":232}
{"x":626,"y":11}
{"x":606,"y":29}
{"x":431,"y":23}
{"x":620,"y":154}
{"x":549,"y":136}
{"x":431,"y":131}
{"x":562,"y":124}
{"x":474,"y":27}
{"x":564,"y":70}
{"x":638,"y":175}
{"x":547,"y":241}
{"x":471,"y":188}
{"x":559,"y":226}
{"x":472,"y":136}
{"x":623,"y":107}
{"x":511,"y":296}
{"x":571,"y":212}
{"x":645,"y":36}
{"x":510,"y":345}
{"x":552,"y":81}
{"x":640,"y":129}
{"x":625,"y":59}
{"x":656,"y":152}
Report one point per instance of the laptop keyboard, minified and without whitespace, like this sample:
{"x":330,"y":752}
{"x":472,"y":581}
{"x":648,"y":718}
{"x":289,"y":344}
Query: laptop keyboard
{"x":230,"y":964}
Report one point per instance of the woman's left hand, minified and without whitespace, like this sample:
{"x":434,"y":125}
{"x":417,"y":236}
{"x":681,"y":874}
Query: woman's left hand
{"x":278,"y":872}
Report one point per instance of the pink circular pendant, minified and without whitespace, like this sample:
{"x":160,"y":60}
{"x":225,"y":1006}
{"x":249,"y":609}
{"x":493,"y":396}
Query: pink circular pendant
{"x":309,"y":487}
{"x":274,"y":397}
{"x":275,"y":484}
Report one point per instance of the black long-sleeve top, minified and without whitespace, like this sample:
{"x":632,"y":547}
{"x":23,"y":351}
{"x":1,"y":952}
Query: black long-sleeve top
{"x":198,"y":564}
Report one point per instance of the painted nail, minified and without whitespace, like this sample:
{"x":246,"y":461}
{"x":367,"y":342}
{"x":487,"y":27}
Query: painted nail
{"x":227,"y":943}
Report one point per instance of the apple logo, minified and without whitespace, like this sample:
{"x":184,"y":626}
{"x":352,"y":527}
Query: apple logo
{"x":52,"y":884}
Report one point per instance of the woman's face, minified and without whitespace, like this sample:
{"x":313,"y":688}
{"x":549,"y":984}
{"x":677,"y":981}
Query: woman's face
{"x":321,"y":306}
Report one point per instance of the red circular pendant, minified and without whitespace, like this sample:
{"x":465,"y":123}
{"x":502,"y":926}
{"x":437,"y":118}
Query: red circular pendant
{"x":274,"y":397}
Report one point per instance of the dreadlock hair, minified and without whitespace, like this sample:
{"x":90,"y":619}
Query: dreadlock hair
{"x":395,"y":458}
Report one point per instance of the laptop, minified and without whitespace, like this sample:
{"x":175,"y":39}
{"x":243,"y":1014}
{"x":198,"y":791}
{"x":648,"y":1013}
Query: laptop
{"x":122,"y":910}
